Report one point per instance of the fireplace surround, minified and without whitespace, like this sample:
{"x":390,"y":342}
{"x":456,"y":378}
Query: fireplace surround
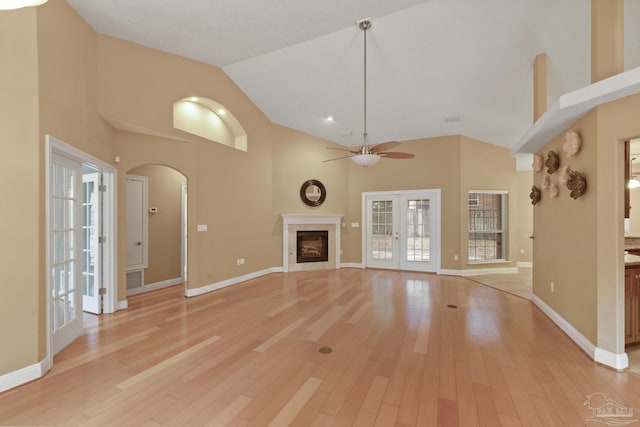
{"x":292,"y":223}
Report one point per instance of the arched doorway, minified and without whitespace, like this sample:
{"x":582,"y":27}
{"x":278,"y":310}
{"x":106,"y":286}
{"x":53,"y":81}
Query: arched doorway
{"x":156,"y":248}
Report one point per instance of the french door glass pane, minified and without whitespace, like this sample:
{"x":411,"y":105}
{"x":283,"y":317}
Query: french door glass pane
{"x":382,"y":230}
{"x":71,"y":306}
{"x":58,"y":180}
{"x":418,"y":225}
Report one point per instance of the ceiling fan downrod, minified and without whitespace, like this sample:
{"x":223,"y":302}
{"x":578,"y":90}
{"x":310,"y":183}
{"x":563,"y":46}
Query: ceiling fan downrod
{"x":364,"y":25}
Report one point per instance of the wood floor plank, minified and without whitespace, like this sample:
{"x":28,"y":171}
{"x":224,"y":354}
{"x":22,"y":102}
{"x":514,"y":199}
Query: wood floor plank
{"x":229,"y":412}
{"x":387,"y":416}
{"x":293,"y":406}
{"x":366,"y":306}
{"x":280,"y":335}
{"x":166,"y":364}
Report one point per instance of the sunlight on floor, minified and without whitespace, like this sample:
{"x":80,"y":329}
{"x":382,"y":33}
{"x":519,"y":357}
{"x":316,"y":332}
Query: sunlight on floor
{"x":519,"y":284}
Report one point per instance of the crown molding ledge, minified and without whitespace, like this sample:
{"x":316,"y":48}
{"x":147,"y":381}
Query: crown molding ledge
{"x":572,"y":106}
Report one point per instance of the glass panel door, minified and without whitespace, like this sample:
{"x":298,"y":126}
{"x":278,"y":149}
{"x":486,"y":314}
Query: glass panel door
{"x":91,"y":232}
{"x":402,"y":230}
{"x":382,"y":232}
{"x":417,"y":240}
{"x":65,"y":251}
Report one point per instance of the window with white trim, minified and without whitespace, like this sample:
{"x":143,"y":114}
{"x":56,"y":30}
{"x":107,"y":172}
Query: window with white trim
{"x":487,"y":226}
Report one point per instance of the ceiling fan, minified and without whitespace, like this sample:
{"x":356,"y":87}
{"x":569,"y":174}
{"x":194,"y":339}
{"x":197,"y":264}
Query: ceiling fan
{"x":368,"y":155}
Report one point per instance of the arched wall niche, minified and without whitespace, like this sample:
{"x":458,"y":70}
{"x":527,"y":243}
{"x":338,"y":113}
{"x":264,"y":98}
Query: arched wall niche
{"x":209,"y":119}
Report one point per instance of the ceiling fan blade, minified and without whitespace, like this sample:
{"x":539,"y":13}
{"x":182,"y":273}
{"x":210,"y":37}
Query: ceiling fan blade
{"x":385,"y":146}
{"x":396,"y":155}
{"x":343,"y":149}
{"x":337,"y":158}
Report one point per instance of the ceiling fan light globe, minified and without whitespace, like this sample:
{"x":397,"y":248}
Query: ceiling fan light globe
{"x":365,"y":160}
{"x":17,"y":4}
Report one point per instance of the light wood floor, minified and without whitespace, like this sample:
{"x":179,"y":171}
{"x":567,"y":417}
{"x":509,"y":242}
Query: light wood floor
{"x":248,"y":355}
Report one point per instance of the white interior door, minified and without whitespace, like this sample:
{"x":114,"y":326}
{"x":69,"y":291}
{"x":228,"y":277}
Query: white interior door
{"x":402,"y":230}
{"x":91,"y":247}
{"x":137,"y":255}
{"x":65,"y":251}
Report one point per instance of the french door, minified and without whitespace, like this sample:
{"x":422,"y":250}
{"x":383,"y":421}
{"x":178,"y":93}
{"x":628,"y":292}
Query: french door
{"x":91,"y":235}
{"x":402,"y":230}
{"x":66,"y":250}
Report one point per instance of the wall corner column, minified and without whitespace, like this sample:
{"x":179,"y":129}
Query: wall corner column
{"x":539,"y":86}
{"x":607,"y":38}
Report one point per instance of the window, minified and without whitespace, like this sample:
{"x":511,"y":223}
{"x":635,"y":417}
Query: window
{"x":487,"y":226}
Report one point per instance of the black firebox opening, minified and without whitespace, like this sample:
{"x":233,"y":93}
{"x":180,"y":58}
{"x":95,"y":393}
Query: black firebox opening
{"x":312,"y":246}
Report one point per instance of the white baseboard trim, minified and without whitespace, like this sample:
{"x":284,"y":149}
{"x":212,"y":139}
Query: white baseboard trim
{"x":122,"y":305}
{"x":155,"y":286}
{"x":600,"y":355}
{"x":351,"y":265}
{"x":566,"y":327}
{"x":23,"y":376}
{"x":233,"y":281}
{"x":525,"y":264}
{"x":613,"y":360}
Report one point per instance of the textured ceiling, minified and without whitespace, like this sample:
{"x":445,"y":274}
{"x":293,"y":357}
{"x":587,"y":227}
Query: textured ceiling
{"x":302,"y":60}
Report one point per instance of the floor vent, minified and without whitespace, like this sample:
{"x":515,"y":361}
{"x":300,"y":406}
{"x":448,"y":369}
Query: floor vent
{"x":135,"y":279}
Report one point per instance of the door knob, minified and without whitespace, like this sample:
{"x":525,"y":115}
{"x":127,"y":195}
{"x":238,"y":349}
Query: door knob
{"x":138,"y":243}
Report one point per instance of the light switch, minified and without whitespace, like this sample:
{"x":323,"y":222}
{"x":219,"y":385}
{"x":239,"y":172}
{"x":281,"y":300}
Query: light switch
{"x":355,"y":224}
{"x":202,"y":227}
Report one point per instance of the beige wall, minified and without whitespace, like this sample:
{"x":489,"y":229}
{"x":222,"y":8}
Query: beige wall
{"x":448,"y":163}
{"x":67,"y":101}
{"x":165,"y":234}
{"x":436,"y":165}
{"x":22,"y":251}
{"x":579,"y":244}
{"x":617,"y":121}
{"x":525,"y":217}
{"x":565,"y":237}
{"x":230,"y":191}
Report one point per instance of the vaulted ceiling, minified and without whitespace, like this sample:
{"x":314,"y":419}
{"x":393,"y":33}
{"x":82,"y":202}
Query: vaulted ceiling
{"x":435,"y":67}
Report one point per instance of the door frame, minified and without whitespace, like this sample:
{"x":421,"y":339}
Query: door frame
{"x":183,"y":233}
{"x":110,"y":259}
{"x":436,"y":217}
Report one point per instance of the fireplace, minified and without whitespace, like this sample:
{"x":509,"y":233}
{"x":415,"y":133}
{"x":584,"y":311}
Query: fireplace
{"x":312,"y":246}
{"x":328,"y":224}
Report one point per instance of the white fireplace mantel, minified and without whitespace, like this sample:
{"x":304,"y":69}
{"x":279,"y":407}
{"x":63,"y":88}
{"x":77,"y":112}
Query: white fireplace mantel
{"x":333,"y":220}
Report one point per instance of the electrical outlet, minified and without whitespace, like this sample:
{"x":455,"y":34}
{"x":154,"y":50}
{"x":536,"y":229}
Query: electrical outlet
{"x":553,"y":287}
{"x":521,"y":251}
{"x":455,"y":257}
